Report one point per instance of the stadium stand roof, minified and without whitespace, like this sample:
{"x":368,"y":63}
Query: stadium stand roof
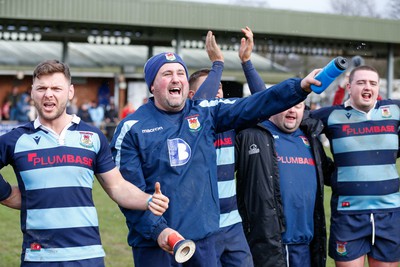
{"x":68,"y":30}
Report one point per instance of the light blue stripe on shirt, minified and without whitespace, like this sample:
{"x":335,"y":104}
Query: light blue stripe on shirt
{"x":64,"y":254}
{"x":38,"y":219}
{"x":350,"y":144}
{"x":225,"y":155}
{"x":343,"y":116}
{"x":27,"y":141}
{"x":228,"y":219}
{"x":213,"y":103}
{"x":79,"y":135}
{"x":369,"y":202}
{"x":367,"y":173}
{"x":118,"y":143}
{"x":227,"y":189}
{"x":54,"y":177}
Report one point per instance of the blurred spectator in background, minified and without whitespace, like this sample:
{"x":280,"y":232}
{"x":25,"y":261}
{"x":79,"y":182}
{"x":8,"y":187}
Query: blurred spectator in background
{"x":72,"y":107}
{"x":103,"y":94}
{"x":111,"y":119}
{"x":314,"y":105}
{"x":128,"y":109}
{"x":32,"y":113}
{"x":13,"y":99}
{"x":22,"y":108}
{"x":83,"y":112}
{"x":111,"y":114}
{"x":96,"y":112}
{"x":341,"y":90}
{"x":5,"y":110}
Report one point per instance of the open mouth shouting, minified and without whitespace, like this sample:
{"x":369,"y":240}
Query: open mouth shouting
{"x":366,"y":95}
{"x":175,"y":91}
{"x":290,"y":118}
{"x":49,"y":106}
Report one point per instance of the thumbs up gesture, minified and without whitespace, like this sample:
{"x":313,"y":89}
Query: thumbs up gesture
{"x":158,"y":203}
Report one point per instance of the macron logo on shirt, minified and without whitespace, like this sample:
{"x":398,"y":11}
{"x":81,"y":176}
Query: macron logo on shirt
{"x":156,"y":129}
{"x":37,"y":139}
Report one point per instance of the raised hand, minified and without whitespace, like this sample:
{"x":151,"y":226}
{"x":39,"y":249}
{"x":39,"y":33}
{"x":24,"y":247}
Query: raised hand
{"x":310,"y":79}
{"x":246,"y":45}
{"x":213,"y":50}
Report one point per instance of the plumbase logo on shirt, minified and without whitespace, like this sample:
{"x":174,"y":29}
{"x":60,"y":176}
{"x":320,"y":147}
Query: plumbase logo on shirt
{"x":348,"y":129}
{"x":41,"y":159}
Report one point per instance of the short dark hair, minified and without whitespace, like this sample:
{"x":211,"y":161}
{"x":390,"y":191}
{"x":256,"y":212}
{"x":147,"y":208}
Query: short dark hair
{"x":197,"y":74}
{"x":362,"y":67}
{"x":51,"y":66}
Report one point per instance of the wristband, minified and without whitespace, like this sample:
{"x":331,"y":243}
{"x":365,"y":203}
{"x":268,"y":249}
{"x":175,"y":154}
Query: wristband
{"x":149,"y":200}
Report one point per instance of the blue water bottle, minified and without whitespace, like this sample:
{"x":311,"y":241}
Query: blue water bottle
{"x":329,"y":73}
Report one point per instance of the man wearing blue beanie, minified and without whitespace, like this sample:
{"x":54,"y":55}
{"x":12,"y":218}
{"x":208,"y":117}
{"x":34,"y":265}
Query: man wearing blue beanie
{"x":155,"y":62}
{"x":170,"y":140}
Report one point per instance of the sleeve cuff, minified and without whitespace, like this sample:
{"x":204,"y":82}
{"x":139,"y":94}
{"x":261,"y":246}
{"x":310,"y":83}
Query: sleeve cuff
{"x":247,"y":65}
{"x":5,"y":189}
{"x":157,"y":230}
{"x":218,"y":65}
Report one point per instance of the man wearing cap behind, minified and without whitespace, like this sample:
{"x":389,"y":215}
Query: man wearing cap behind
{"x":171,"y":140}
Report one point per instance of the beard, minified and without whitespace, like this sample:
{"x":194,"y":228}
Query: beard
{"x":50,"y":116}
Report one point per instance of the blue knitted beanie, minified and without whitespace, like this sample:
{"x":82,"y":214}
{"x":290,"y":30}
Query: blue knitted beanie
{"x":155,"y":63}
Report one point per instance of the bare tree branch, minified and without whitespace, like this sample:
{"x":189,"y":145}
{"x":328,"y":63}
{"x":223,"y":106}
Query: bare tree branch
{"x":394,"y":9}
{"x":361,"y":8}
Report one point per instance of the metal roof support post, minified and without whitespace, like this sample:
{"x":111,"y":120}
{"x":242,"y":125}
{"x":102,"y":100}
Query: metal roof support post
{"x":272,"y":57}
{"x":65,"y":52}
{"x":150,"y":52}
{"x":178,"y":47}
{"x":116,"y":91}
{"x":390,"y":71}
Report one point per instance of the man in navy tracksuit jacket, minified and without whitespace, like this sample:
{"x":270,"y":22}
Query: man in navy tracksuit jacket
{"x":171,"y":140}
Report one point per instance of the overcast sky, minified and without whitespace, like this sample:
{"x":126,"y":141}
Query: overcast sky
{"x":322,"y":6}
{"x":313,"y":5}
